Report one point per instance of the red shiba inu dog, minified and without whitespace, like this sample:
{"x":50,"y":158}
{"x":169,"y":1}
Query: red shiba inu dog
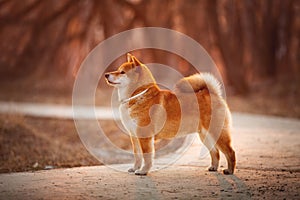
{"x":149,"y":113}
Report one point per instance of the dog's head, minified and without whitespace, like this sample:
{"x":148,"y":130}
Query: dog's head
{"x":129,"y":72}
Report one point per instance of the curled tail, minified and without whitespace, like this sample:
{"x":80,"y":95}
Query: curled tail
{"x":198,"y":82}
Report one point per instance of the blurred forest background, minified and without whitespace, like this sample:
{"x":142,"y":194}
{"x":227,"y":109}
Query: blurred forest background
{"x":255,"y":43}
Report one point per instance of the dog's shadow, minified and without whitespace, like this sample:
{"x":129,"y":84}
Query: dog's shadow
{"x":232,"y":187}
{"x":229,"y":186}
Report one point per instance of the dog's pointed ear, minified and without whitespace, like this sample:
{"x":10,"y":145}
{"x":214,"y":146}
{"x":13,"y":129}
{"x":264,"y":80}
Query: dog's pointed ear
{"x":135,"y":61}
{"x":129,"y":57}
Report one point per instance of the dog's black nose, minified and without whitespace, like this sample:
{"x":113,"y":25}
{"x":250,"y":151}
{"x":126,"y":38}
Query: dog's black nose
{"x":106,"y":75}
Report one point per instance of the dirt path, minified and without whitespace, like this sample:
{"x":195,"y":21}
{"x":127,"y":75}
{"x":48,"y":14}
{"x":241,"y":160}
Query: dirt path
{"x":268,"y":166}
{"x":55,"y":110}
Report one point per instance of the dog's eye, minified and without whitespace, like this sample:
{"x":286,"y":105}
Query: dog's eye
{"x":122,"y":72}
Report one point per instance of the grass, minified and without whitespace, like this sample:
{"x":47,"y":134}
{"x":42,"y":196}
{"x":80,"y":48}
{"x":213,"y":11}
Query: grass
{"x":32,"y":143}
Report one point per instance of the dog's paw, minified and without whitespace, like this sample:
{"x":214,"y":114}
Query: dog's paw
{"x":140,"y":172}
{"x":213,"y":169}
{"x":227,"y":172}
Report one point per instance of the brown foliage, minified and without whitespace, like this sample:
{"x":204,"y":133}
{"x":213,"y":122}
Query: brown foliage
{"x":250,"y":40}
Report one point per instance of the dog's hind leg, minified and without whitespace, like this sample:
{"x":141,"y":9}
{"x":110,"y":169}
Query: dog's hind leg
{"x":147,"y":145}
{"x":226,"y":148}
{"x":215,"y":157}
{"x":137,"y":154}
{"x":224,"y":144}
{"x":230,"y":157}
{"x":213,"y":150}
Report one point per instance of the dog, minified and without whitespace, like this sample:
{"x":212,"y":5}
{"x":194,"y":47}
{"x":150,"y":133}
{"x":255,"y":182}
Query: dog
{"x":149,"y":113}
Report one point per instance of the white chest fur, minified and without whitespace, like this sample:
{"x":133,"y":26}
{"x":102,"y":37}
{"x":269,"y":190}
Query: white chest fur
{"x":129,"y":123}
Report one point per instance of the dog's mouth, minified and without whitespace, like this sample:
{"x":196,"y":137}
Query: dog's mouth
{"x":111,"y":82}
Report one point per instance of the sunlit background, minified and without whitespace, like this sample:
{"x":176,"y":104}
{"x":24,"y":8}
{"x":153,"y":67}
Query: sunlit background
{"x":255,"y":44}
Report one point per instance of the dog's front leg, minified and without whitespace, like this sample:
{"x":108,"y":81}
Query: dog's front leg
{"x":137,"y":154}
{"x":147,"y":145}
